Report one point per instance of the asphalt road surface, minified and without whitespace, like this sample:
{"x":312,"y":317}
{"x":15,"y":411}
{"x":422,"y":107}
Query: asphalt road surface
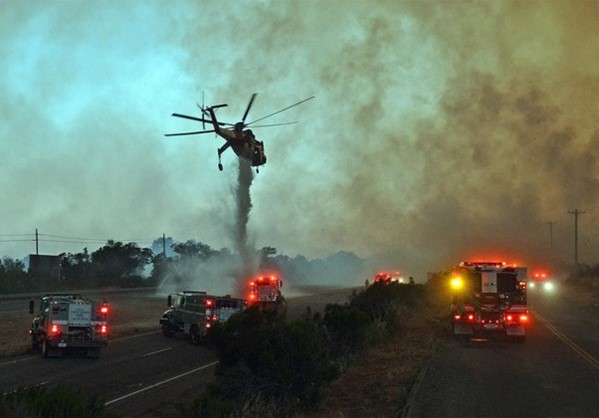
{"x":554,"y":373}
{"x":138,"y":375}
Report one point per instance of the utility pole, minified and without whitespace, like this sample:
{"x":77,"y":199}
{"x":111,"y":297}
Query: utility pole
{"x":576,"y":212}
{"x":551,"y":223}
{"x":37,"y":246}
{"x":164,"y":245}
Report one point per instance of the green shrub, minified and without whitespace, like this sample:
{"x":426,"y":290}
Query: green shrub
{"x":267,"y":363}
{"x":43,"y":401}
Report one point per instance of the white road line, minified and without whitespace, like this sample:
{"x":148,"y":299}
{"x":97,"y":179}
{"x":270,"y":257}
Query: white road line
{"x":157,"y":352}
{"x":205,"y":366}
{"x":6,"y":363}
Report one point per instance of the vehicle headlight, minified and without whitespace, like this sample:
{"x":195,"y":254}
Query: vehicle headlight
{"x":531,"y":285}
{"x":548,"y":286}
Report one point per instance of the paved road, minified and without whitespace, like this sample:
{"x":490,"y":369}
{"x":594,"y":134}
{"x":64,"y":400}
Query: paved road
{"x":554,"y":373}
{"x":139,"y":375}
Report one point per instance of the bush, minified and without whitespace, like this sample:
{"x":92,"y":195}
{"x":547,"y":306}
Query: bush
{"x":267,"y":363}
{"x":272,"y":368}
{"x":59,"y":401}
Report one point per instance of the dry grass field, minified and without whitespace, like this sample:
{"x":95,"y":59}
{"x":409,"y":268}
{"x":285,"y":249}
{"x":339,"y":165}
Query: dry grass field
{"x":131,"y":312}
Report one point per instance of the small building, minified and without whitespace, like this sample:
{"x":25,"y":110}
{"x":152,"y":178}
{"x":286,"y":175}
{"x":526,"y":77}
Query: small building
{"x":45,"y":264}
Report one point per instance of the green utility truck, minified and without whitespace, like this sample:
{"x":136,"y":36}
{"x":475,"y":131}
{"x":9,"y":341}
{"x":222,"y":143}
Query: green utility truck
{"x":194,"y":312}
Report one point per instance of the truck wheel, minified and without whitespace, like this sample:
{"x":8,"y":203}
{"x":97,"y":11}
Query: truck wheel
{"x":166,"y":330}
{"x":194,"y":334}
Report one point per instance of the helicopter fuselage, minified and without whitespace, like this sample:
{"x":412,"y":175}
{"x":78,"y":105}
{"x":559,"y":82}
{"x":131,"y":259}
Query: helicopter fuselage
{"x":243,"y":142}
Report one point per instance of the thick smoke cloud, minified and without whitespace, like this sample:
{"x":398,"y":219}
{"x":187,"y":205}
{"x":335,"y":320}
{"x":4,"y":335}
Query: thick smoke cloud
{"x":440,"y":130}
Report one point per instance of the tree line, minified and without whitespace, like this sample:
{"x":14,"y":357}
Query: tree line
{"x":126,"y":265}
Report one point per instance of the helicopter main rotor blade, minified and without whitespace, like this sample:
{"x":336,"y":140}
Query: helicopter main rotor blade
{"x":189,"y":133}
{"x":190,"y":117}
{"x":282,"y":110}
{"x":179,"y":115}
{"x":249,"y":107}
{"x":274,"y":124}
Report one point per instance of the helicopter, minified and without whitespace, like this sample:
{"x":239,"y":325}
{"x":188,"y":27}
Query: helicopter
{"x":243,"y":141}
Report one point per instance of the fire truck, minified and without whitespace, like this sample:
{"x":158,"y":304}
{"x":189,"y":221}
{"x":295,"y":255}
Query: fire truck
{"x":66,"y":321}
{"x":194,"y":312}
{"x":489,"y":297}
{"x":265,"y":293}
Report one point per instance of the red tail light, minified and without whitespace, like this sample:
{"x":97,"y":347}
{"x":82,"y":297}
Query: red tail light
{"x":209,"y":302}
{"x":55,"y":329}
{"x":514,"y":317}
{"x":470,"y":317}
{"x":104,"y":309}
{"x":104,"y":329}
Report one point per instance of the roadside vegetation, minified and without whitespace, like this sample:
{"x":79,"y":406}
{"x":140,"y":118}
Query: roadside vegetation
{"x":272,"y":367}
{"x":42,"y":401}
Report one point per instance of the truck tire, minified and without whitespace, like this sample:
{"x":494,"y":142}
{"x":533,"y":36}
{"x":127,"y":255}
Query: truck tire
{"x":166,"y":330}
{"x":194,"y":334}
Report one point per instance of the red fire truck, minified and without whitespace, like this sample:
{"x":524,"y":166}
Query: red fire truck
{"x":489,"y":297}
{"x":265,"y":292}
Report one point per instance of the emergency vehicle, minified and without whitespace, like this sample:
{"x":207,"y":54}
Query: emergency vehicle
{"x":542,"y":280}
{"x":194,"y":312}
{"x":68,"y":321}
{"x":265,"y":292}
{"x":388,"y":278}
{"x":489,"y":297}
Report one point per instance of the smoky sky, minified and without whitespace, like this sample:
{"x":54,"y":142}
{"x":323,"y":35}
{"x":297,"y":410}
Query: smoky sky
{"x":440,"y":130}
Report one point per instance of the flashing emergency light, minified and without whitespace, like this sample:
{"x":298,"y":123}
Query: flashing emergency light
{"x":457,"y":283}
